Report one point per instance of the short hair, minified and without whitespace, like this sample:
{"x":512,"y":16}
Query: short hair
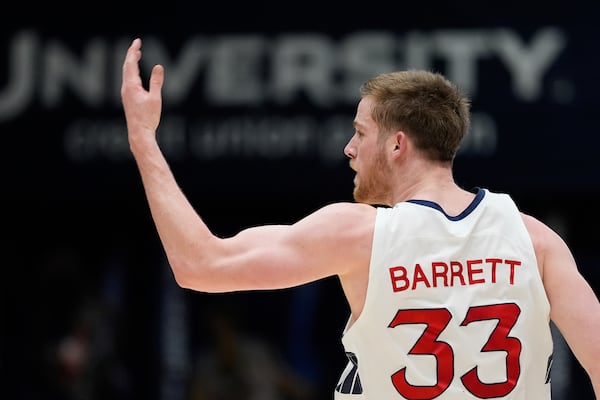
{"x":428,"y":107}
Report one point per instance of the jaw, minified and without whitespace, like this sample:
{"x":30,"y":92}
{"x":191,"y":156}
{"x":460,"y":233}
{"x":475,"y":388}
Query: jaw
{"x":373,"y":192}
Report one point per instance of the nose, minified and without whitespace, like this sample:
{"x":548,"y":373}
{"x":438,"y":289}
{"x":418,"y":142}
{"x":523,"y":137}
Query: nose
{"x":350,"y":149}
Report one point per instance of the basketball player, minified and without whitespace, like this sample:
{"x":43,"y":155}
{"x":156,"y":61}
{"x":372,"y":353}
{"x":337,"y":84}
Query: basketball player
{"x":450,"y":291}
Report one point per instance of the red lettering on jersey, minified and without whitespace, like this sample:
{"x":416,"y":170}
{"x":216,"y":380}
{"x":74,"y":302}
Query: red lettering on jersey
{"x":493,"y":262}
{"x":512,"y":264}
{"x":445,"y":274}
{"x":474,"y":271}
{"x":399,"y":279}
{"x":457,"y":272}
{"x":439,"y":270}
{"x":419,"y":276}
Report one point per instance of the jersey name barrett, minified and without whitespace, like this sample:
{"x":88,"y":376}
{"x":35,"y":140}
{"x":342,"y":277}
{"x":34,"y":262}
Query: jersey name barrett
{"x":451,"y":273}
{"x":455,"y":308}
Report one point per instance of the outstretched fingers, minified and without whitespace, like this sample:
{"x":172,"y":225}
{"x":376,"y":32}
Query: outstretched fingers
{"x":131,"y":69}
{"x":142,"y":107}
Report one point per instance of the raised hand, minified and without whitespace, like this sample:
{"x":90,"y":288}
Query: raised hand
{"x":142,"y":107}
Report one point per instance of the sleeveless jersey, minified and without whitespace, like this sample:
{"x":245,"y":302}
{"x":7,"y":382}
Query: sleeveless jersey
{"x":455,"y":308}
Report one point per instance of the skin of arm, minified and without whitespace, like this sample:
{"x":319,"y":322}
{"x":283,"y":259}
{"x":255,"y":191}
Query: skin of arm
{"x":575,"y":308}
{"x":334,"y":240}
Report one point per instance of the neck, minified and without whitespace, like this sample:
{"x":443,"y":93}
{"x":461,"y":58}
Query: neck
{"x":425,"y":181}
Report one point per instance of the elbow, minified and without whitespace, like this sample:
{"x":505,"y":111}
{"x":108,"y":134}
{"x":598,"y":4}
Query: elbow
{"x":195,"y":275}
{"x":199,"y":268}
{"x":185,"y":274}
{"x":182,"y":280}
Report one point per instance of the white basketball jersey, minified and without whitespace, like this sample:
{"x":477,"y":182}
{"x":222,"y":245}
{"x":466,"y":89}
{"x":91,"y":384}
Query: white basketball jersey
{"x":455,"y":308}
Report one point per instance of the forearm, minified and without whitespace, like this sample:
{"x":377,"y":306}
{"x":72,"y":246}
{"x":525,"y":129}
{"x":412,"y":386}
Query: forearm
{"x":186,"y":239}
{"x":180,"y":228}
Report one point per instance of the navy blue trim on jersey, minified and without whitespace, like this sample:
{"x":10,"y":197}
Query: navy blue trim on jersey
{"x":351,"y":382}
{"x":478,"y":197}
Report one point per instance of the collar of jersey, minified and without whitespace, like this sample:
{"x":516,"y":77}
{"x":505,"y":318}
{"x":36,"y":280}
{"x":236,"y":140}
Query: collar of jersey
{"x":479,"y":194}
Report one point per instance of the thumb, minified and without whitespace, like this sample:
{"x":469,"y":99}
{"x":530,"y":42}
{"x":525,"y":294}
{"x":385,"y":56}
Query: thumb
{"x":157,"y":78}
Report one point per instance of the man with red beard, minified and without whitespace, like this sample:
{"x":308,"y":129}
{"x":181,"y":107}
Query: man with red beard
{"x":451,"y":291}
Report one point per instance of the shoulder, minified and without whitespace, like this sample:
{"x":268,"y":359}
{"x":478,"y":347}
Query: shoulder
{"x":339,"y":236}
{"x":348,"y":210}
{"x":338,"y":217}
{"x":540,"y":233}
{"x":341,"y":219}
{"x":547,"y":243}
{"x":345,"y":223}
{"x":346,"y":216}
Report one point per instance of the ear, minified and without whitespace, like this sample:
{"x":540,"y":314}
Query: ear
{"x":399,"y":143}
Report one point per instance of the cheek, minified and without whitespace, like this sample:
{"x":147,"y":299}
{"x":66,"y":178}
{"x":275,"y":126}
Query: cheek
{"x":380,"y":162}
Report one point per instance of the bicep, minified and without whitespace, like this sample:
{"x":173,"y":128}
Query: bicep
{"x":271,"y":257}
{"x":283,"y":256}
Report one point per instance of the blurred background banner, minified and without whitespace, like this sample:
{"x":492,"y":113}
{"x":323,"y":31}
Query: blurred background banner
{"x":258,"y":104}
{"x":241,"y":100}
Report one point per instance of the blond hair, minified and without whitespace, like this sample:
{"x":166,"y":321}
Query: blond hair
{"x":425,"y":105}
